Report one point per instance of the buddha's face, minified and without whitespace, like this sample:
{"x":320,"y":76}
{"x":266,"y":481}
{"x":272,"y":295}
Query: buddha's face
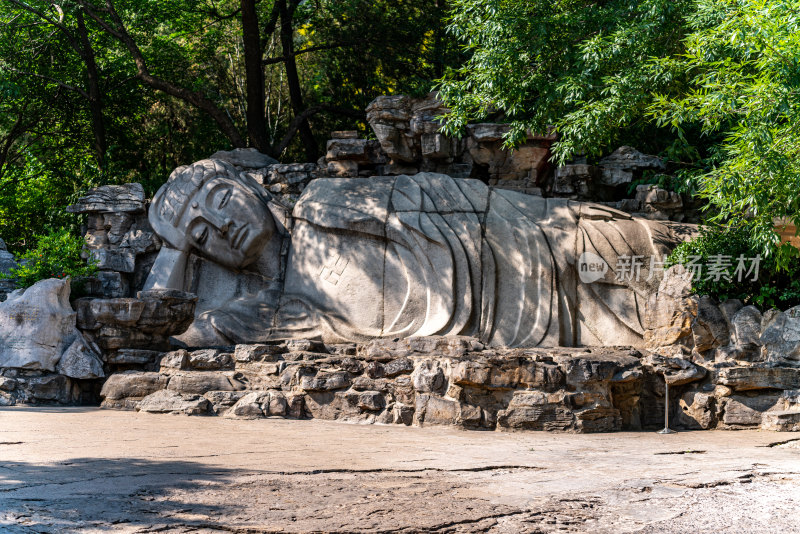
{"x":227,"y":223}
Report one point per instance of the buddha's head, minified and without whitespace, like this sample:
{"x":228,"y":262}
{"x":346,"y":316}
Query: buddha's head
{"x":208,"y":207}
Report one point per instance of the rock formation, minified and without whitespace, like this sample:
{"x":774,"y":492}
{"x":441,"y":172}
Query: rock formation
{"x":37,"y":331}
{"x":43,"y":356}
{"x":118,"y":238}
{"x":420,"y":381}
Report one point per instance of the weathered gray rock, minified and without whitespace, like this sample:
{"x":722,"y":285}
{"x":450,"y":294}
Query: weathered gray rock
{"x":781,"y":421}
{"x":132,"y":384}
{"x":574,"y":180}
{"x":537,"y":411}
{"x":258,"y":353}
{"x":7,"y":384}
{"x":742,"y":378}
{"x":325,"y":381}
{"x":781,"y":336}
{"x":7,"y":261}
{"x":146,"y":322}
{"x":250,"y":406}
{"x":747,"y":327}
{"x":248,"y":158}
{"x":201,"y":382}
{"x":37,"y":326}
{"x":210,"y":359}
{"x":126,"y":198}
{"x":676,"y":371}
{"x":429,"y":377}
{"x":709,"y":328}
{"x":624,"y":163}
{"x":166,"y":401}
{"x":138,"y":357}
{"x":120,"y":260}
{"x":79,"y":361}
{"x":566,"y":389}
{"x":654,"y":199}
{"x":697,"y":410}
{"x":743,"y":410}
{"x":108,"y":284}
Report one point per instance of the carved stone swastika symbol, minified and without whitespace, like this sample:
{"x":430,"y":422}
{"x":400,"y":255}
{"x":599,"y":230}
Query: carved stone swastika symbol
{"x":333,"y":269}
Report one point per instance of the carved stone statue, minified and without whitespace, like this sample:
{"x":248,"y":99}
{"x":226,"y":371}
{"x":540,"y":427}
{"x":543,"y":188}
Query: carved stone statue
{"x":400,"y":256}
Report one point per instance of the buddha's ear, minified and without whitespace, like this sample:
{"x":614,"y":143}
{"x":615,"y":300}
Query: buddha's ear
{"x":169,"y":270}
{"x":282,"y":216}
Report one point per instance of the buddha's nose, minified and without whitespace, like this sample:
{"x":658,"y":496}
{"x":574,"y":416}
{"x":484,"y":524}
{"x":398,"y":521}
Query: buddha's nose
{"x":226,"y":226}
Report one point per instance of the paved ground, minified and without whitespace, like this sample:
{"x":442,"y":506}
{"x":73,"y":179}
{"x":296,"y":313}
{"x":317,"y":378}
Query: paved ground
{"x":86,"y":470}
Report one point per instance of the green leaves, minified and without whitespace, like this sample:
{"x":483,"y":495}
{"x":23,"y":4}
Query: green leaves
{"x":580,"y":66}
{"x":56,"y":255}
{"x":743,"y":59}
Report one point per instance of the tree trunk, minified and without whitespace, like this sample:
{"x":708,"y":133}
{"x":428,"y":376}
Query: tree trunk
{"x":254,"y":73}
{"x":95,"y":96}
{"x":293,"y":80}
{"x":220,"y":116}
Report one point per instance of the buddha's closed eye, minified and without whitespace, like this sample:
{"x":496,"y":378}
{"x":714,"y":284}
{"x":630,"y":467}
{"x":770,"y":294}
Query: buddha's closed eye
{"x":223,"y":197}
{"x":200,"y":234}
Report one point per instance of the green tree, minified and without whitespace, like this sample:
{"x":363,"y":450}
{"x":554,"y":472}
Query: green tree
{"x":581,"y":66}
{"x":743,"y":64}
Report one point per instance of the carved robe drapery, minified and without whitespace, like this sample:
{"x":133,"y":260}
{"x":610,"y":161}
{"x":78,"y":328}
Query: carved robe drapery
{"x":432,"y":255}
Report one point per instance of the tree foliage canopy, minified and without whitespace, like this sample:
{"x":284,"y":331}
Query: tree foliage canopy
{"x":110,"y":91}
{"x":712,"y":85}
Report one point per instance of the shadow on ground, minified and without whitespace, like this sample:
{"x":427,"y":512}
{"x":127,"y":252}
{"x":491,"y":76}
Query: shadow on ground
{"x":108,"y":494}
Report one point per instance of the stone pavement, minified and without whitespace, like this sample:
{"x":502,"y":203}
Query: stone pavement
{"x":90,"y":470}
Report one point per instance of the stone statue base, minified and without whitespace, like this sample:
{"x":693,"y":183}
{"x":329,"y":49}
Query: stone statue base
{"x":419,"y":381}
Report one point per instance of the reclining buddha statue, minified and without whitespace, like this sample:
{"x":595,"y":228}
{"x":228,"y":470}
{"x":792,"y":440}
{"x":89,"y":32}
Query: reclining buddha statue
{"x":399,"y":256}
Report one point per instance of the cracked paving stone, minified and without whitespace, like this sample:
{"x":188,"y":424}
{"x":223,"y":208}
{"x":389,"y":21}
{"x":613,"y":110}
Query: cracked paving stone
{"x":99,"y":471}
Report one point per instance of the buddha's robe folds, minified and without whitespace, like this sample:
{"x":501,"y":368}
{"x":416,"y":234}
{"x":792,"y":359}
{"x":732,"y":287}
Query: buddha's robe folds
{"x":432,"y":255}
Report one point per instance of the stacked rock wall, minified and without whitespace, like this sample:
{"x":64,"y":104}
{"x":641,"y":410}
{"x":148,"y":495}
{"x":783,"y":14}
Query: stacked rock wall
{"x":744,"y":366}
{"x":118,"y":239}
{"x":419,"y":381}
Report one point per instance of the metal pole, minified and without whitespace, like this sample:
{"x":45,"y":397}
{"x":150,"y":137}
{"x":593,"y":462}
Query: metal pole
{"x":667,"y":429}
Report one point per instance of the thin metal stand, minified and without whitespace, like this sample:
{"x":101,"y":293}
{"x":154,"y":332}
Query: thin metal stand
{"x":667,"y":429}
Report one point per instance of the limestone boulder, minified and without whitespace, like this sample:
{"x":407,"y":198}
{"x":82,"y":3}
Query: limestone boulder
{"x":198,"y":383}
{"x":132,"y":384}
{"x":697,"y":410}
{"x":759,"y":376}
{"x":780,"y":337}
{"x":38,"y":331}
{"x":622,"y":165}
{"x":781,"y":421}
{"x":709,"y":328}
{"x":747,"y":327}
{"x":536,"y":411}
{"x":250,"y":406}
{"x":246,"y":158}
{"x":125,"y":198}
{"x":671,"y":311}
{"x":676,"y":371}
{"x":210,"y":360}
{"x":167,"y":401}
{"x":146,"y":322}
{"x":80,"y":361}
{"x":748,"y":410}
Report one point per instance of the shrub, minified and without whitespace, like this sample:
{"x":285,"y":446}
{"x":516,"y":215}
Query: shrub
{"x":775,"y":286}
{"x":56,"y":255}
